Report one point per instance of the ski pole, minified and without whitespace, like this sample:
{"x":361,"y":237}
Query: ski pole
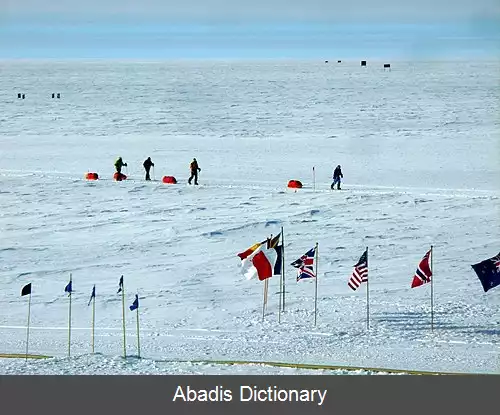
{"x":154,"y":177}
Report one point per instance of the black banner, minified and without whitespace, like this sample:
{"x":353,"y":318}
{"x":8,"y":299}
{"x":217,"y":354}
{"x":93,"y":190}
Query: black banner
{"x":255,"y":395}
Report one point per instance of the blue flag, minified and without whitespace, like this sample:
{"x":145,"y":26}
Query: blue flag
{"x":135,"y":304}
{"x":92,"y":296}
{"x":69,"y":287}
{"x":120,"y":287}
{"x":488,"y":272}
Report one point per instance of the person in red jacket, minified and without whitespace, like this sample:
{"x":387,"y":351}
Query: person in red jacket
{"x":194,"y":171}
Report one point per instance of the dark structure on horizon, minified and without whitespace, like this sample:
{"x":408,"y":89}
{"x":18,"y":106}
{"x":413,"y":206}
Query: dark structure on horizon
{"x":363,"y":63}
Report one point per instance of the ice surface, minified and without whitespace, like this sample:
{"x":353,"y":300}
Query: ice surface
{"x":419,"y":147}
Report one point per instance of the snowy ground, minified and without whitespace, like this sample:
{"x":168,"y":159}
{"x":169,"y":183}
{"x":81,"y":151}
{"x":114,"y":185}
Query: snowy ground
{"x":419,"y":147}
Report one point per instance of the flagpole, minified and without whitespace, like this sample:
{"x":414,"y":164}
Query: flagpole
{"x":314,"y":180}
{"x":316,"y":289}
{"x":432,"y":290}
{"x":93,"y":324}
{"x":123,"y":319}
{"x":281,"y":288}
{"x":138,"y":340}
{"x":367,"y":295}
{"x":264,"y":302}
{"x":69,"y":318}
{"x":28,"y":327}
{"x":283,"y":265}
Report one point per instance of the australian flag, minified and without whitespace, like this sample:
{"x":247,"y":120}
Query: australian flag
{"x":488,"y":272}
{"x":305,"y":265}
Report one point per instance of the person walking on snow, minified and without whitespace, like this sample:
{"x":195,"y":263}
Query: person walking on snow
{"x":147,"y":166}
{"x":119,"y":164}
{"x":194,"y":171}
{"x":337,"y":175}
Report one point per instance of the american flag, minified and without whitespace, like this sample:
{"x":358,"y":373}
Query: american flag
{"x":423,"y":273}
{"x":360,"y":273}
{"x":305,"y":265}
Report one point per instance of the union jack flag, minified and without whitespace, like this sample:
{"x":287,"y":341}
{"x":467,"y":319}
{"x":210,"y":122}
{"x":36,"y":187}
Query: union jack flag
{"x":496,"y":261}
{"x":305,"y":265}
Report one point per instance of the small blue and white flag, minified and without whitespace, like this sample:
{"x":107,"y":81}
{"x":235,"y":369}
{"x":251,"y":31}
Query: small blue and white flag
{"x":135,"y":304}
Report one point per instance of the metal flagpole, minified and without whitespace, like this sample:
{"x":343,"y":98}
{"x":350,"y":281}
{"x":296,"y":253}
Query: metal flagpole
{"x":93,"y":323}
{"x":283,"y":265}
{"x":367,"y":294}
{"x":138,"y":340}
{"x":281,"y":282}
{"x":314,"y":180}
{"x":316,"y":289}
{"x":69,"y":317}
{"x":123,"y":319}
{"x":432,"y":290}
{"x":28,"y":328}
{"x":264,"y":302}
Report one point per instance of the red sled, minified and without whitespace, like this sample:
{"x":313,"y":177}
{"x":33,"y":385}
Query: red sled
{"x":91,"y":176}
{"x":119,"y":177}
{"x":169,"y":180}
{"x":295,"y":184}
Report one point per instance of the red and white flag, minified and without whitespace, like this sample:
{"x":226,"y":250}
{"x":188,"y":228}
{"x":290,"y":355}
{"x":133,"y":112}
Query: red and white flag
{"x":423,"y":274}
{"x":360,"y":273}
{"x":258,"y":261}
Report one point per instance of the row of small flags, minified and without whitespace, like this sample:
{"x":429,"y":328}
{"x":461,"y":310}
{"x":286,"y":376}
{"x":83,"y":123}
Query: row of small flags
{"x":27,"y":290}
{"x":69,"y":289}
{"x":266,"y":259}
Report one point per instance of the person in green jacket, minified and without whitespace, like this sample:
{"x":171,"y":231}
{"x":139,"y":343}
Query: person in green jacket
{"x":119,"y":164}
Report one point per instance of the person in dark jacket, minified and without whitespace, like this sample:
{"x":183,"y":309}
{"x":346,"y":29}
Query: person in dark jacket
{"x":147,"y":166}
{"x":119,"y":164}
{"x":194,"y":171}
{"x":337,"y":175}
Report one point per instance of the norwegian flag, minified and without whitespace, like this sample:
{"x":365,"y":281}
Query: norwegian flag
{"x":305,"y":265}
{"x":423,"y":274}
{"x":360,"y":273}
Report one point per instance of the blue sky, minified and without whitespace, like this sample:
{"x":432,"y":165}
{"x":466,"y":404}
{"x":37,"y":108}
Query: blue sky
{"x":249,"y":29}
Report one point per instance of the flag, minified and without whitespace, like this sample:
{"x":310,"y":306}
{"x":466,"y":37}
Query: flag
{"x":69,"y":287}
{"x":360,"y":273}
{"x":305,"y":265}
{"x":423,"y":273}
{"x":120,"y":286}
{"x":245,"y":254}
{"x":279,"y":260}
{"x":26,"y":289}
{"x":135,"y":304}
{"x":260,"y":263}
{"x":274,"y":244}
{"x":488,"y":272}
{"x":92,"y":296}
